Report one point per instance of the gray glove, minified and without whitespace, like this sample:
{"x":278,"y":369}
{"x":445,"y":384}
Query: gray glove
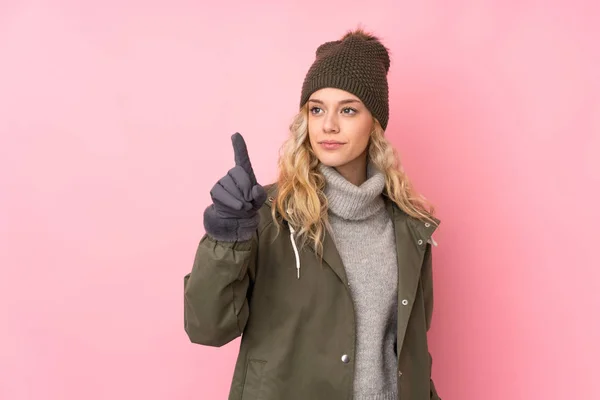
{"x":236,"y":197}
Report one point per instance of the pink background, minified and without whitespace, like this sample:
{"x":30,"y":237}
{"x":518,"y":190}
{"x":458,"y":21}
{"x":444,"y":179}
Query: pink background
{"x":115,"y":121}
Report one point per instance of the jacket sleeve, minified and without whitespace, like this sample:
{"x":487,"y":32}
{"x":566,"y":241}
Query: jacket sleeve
{"x":215,"y":291}
{"x":427,"y":280}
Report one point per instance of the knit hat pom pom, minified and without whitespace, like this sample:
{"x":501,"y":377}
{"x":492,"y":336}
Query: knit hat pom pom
{"x":362,"y":34}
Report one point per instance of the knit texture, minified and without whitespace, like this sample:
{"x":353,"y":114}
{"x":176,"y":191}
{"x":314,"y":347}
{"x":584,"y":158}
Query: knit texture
{"x":358,"y":63}
{"x":364,"y":237}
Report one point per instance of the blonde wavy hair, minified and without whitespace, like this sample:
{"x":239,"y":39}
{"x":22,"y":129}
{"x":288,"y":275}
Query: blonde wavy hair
{"x":300,"y":197}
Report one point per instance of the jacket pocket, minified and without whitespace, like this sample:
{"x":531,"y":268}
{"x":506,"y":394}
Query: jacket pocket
{"x":253,"y":380}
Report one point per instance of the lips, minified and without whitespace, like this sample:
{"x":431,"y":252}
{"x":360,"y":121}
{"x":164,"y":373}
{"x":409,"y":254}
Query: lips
{"x":331,"y":145}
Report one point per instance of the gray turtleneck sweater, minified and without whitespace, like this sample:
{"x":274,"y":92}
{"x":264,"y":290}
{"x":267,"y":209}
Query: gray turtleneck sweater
{"x":364,"y":237}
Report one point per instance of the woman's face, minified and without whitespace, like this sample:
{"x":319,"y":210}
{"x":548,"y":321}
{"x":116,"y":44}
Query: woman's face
{"x":339,"y":127}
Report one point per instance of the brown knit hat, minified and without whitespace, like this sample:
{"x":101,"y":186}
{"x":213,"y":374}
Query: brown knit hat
{"x":357,"y":63}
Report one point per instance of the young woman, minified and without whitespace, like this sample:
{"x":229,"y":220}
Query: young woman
{"x":325,"y":274}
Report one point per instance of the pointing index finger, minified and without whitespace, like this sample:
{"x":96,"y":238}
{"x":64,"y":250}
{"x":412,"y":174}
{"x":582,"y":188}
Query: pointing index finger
{"x":242,"y":159}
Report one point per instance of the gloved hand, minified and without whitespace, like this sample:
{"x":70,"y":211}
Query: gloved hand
{"x":236,"y":197}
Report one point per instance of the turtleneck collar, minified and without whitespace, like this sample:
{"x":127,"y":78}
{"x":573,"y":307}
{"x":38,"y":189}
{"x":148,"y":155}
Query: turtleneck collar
{"x":352,"y":202}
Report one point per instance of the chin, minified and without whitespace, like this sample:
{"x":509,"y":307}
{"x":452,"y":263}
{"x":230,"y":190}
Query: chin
{"x":333,"y":162}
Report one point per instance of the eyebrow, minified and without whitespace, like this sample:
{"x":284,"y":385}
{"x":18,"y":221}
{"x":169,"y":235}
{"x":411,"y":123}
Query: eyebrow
{"x":346,"y":101}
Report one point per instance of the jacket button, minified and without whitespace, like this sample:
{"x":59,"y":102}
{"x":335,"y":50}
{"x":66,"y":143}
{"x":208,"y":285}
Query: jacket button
{"x":404,"y":302}
{"x":427,"y":224}
{"x":420,"y":242}
{"x":399,"y":374}
{"x":345,"y":359}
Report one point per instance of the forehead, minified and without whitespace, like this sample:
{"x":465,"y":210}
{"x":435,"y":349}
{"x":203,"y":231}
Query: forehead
{"x":332,"y":95}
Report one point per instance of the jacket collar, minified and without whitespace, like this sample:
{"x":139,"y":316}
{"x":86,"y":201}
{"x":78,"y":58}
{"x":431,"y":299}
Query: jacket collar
{"x":409,"y":232}
{"x":421,"y":230}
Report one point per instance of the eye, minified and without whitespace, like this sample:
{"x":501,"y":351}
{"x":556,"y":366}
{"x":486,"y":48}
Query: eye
{"x":315,"y":110}
{"x":349,"y":111}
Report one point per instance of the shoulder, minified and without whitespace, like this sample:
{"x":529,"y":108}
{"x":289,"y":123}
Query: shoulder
{"x":421,"y":228}
{"x":265,"y":212}
{"x":271,"y":190}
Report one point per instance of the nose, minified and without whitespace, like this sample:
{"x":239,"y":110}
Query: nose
{"x":330,"y":123}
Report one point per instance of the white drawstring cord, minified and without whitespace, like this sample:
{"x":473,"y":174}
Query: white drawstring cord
{"x":292,"y":231}
{"x":432,"y":241}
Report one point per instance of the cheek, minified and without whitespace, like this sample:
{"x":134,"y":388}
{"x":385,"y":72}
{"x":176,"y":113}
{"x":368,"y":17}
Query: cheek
{"x":362,"y":132}
{"x":312,"y":127}
{"x":310,"y":135}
